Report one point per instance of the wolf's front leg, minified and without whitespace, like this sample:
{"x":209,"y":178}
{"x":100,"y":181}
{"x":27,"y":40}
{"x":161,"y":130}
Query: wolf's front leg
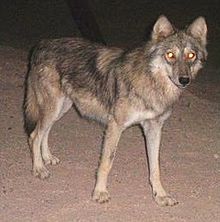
{"x":112,"y":136}
{"x":152,"y":130}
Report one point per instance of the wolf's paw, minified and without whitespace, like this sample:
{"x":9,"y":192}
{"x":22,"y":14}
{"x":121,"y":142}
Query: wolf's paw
{"x":41,"y":172}
{"x":53,"y":160}
{"x":101,"y":196}
{"x":165,"y":201}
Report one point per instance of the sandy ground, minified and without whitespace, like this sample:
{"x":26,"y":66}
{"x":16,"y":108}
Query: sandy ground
{"x":190,"y":161}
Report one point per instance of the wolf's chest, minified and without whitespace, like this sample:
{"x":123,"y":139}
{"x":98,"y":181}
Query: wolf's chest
{"x":135,"y":117}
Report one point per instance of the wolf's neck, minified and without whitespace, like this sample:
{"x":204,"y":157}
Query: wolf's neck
{"x":156,"y":91}
{"x":149,"y":82}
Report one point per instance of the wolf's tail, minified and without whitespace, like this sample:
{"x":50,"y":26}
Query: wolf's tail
{"x":31,"y":110}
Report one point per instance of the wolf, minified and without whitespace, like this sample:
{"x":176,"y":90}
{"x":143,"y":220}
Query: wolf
{"x":116,"y":87}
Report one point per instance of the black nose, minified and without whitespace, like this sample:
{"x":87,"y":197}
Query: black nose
{"x":184,"y":80}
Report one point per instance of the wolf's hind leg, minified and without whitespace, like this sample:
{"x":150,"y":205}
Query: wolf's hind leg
{"x":63,"y":105}
{"x":53,"y":109}
{"x":35,"y":140}
{"x":46,"y":154}
{"x":51,"y":103}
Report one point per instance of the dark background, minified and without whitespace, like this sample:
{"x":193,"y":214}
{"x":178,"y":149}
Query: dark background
{"x":121,"y":23}
{"x":23,"y":22}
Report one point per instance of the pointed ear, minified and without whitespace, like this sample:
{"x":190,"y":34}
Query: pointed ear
{"x":162,"y":28}
{"x":198,"y":29}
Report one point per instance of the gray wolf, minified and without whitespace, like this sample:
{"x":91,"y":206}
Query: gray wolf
{"x":116,"y":87}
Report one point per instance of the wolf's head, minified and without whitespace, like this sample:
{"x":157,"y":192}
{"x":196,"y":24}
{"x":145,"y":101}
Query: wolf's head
{"x":178,"y":54}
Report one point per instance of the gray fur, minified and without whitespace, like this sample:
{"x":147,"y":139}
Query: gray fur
{"x":117,"y":87}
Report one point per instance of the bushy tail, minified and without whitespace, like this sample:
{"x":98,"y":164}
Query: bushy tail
{"x":31,"y":110}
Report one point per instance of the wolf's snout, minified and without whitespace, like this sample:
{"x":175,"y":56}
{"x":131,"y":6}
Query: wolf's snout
{"x":184,"y":80}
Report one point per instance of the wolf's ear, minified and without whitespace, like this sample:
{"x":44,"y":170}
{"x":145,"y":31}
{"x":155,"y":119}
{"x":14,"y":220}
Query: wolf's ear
{"x":198,"y":29}
{"x":162,"y":28}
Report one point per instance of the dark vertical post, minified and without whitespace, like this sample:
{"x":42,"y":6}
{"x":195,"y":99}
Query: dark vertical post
{"x":85,"y":20}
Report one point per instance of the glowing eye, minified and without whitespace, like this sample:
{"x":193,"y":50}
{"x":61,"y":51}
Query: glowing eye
{"x":191,"y":55}
{"x":170,"y":55}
